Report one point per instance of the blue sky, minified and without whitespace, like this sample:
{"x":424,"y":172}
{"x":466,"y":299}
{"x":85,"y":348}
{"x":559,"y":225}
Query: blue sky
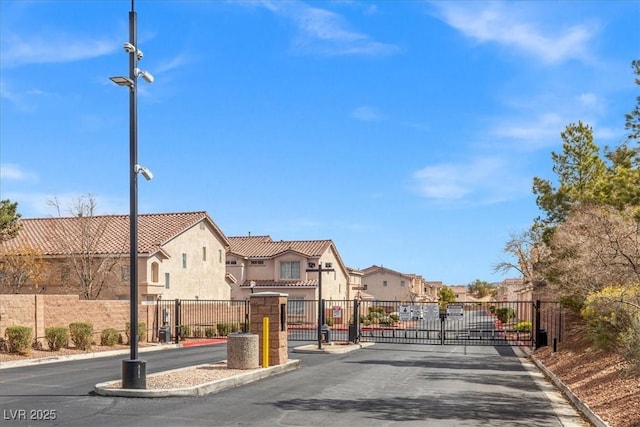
{"x":407,"y":132}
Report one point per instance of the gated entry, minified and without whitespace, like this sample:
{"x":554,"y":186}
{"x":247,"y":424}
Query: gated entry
{"x":503,"y":323}
{"x":491,"y":323}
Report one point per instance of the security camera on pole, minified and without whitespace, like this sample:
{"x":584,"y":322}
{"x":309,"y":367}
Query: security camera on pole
{"x":134,"y":371}
{"x":319,"y":270}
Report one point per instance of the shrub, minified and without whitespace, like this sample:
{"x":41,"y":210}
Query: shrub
{"x":225,"y":328}
{"x":57,"y":337}
{"x":109,"y":337}
{"x":385,"y":320}
{"x":329,"y":321}
{"x":379,"y":310}
{"x":142,"y":331}
{"x":198,"y":332}
{"x":523,"y":327}
{"x":19,"y":338}
{"x":629,"y":342}
{"x":611,"y":316}
{"x":81,"y":334}
{"x":209,"y":332}
{"x":394,"y":317}
{"x":185,"y":331}
{"x":505,"y":314}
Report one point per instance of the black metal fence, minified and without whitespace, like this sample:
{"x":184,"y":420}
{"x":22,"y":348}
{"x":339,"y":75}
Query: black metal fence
{"x":180,"y":319}
{"x":529,"y":323}
{"x":489,"y":323}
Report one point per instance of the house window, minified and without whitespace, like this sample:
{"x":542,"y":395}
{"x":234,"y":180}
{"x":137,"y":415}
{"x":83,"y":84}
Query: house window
{"x":257,"y":262}
{"x":204,"y":253}
{"x":166,"y":280}
{"x":220,"y":256}
{"x":64,"y":274}
{"x":184,"y":260}
{"x":154,"y":272}
{"x":290,"y":270}
{"x":233,"y":262}
{"x":365,"y":286}
{"x":384,"y":283}
{"x":295,"y":306}
{"x":124,"y":273}
{"x":402,"y":283}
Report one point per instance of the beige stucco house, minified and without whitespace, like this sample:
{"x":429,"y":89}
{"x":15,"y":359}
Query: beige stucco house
{"x":259,"y":264}
{"x":385,"y":284}
{"x":180,"y":255}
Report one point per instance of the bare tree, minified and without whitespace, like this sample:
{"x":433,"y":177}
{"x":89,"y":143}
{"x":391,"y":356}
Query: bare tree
{"x":20,"y":267}
{"x":527,"y":252}
{"x":82,"y":239}
{"x":597,"y":246}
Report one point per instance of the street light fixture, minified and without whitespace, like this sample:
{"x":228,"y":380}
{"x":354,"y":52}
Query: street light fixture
{"x":134,"y":371}
{"x":320,"y":270}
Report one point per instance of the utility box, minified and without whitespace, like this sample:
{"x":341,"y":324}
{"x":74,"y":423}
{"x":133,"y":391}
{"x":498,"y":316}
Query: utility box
{"x":541,"y":338}
{"x":353,"y":333}
{"x":325,"y":334}
{"x":164,"y":334}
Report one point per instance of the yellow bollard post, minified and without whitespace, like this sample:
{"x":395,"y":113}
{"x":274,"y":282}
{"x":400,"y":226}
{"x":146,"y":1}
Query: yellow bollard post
{"x":265,"y":342}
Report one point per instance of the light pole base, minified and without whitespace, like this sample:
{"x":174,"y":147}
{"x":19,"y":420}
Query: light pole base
{"x":134,"y":374}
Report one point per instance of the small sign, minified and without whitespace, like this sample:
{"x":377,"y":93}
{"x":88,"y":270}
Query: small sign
{"x":404,"y":312}
{"x":431,"y":312}
{"x":337,"y":312}
{"x":455,"y":311}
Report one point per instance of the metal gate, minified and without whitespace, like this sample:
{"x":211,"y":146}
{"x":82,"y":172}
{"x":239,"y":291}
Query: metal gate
{"x":489,"y":323}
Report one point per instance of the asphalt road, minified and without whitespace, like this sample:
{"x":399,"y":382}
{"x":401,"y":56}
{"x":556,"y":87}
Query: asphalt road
{"x":382,"y":385}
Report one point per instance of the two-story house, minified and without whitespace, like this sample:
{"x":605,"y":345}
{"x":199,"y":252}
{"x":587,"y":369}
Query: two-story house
{"x":180,"y":255}
{"x":385,"y":284}
{"x":259,"y":264}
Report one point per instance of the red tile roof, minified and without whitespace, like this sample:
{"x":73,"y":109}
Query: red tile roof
{"x":154,"y":231}
{"x":265,"y":247}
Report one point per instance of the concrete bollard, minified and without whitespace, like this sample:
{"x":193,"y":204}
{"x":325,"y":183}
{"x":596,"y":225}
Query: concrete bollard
{"x":243,"y":351}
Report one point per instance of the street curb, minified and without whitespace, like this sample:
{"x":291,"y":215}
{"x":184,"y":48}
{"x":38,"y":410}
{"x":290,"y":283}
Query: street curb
{"x":104,"y":389}
{"x":328,"y":349}
{"x":90,"y":355}
{"x":579,"y":404}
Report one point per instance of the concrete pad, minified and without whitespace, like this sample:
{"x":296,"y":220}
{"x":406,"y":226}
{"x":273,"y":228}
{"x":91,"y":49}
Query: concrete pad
{"x":331,"y":348}
{"x":106,"y":388}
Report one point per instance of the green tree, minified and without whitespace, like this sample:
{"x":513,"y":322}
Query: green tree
{"x":480,"y":289}
{"x":632,"y":122}
{"x":446,"y":295}
{"x":9,"y":220}
{"x":578,"y":169}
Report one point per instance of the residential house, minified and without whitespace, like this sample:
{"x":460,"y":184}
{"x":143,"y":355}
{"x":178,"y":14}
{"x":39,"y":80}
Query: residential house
{"x":356,"y":289}
{"x":386,"y":284}
{"x":260,"y":264}
{"x":461,"y":293}
{"x":180,"y":255}
{"x":431,"y":290}
{"x":514,"y":289}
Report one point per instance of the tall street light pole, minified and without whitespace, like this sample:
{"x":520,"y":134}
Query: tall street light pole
{"x":319,"y":270}
{"x":134,"y":374}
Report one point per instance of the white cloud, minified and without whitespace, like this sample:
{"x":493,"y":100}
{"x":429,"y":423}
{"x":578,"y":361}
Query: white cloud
{"x":321,"y":31}
{"x":484,"y":180}
{"x":366,"y":113}
{"x":505,"y":24}
{"x":171,"y":64}
{"x":541,"y":131}
{"x":20,"y":50}
{"x":12,"y":172}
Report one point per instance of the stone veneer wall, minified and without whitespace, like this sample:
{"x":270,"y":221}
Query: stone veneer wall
{"x":43,"y":311}
{"x":268,"y":304}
